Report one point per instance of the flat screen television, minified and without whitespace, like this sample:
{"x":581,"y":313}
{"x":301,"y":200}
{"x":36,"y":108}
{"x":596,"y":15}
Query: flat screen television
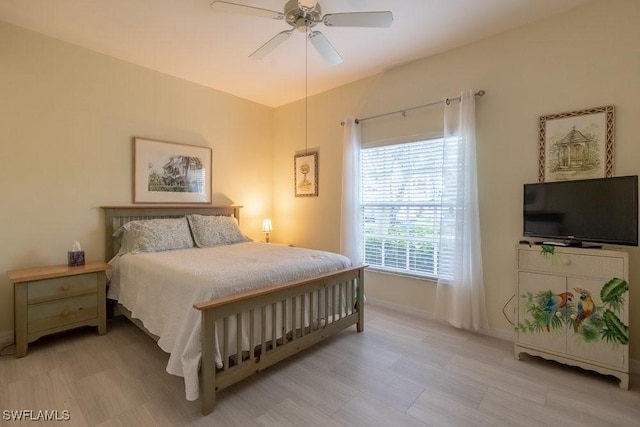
{"x":602,"y":210}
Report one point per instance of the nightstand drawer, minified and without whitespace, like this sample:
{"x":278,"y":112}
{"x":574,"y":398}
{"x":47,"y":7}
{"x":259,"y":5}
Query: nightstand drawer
{"x":54,"y":314}
{"x":61,"y":287}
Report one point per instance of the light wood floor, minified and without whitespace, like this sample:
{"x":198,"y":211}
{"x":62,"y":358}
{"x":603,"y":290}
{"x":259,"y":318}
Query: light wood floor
{"x":401,"y":371}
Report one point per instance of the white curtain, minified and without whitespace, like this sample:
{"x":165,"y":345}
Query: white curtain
{"x":460,"y":296}
{"x":350,"y":227}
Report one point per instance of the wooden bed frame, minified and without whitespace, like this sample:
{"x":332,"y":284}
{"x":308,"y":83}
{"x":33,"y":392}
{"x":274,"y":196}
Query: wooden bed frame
{"x":321,"y":306}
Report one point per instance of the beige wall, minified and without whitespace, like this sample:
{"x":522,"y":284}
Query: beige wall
{"x":67,"y":117}
{"x":586,"y":58}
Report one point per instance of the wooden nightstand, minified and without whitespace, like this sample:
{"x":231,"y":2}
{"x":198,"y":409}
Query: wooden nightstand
{"x":56,"y":298}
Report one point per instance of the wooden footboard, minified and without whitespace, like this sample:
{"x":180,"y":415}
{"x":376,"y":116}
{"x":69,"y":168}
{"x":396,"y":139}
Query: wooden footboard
{"x":320,"y":307}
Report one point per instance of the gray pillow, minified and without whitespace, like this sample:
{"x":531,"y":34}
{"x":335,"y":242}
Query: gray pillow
{"x":154,"y":235}
{"x":209,"y":230}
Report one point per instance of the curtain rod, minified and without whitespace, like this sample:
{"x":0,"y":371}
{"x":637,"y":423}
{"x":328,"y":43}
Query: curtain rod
{"x":404,"y":111}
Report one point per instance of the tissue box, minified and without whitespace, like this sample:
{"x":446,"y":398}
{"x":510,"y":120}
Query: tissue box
{"x":76,"y":258}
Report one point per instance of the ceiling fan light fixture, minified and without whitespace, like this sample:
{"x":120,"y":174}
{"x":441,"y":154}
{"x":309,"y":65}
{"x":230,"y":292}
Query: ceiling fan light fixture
{"x":307,"y":5}
{"x":302,"y":24}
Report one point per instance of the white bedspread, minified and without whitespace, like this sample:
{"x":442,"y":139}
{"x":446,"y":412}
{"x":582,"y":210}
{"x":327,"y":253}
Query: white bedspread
{"x":160,"y":289}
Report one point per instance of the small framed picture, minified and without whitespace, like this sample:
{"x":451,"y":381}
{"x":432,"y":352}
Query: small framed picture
{"x":305,"y":172}
{"x":576,"y":145}
{"x":167,"y":172}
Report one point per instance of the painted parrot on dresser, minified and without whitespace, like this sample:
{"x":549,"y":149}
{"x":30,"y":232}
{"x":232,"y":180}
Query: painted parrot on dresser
{"x":585,"y":307}
{"x":555,"y":303}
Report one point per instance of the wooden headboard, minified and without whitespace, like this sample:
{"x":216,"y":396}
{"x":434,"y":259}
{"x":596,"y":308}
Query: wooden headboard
{"x":117,"y":216}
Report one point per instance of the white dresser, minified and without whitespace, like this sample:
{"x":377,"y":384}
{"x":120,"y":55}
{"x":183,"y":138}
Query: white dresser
{"x":573,"y":307}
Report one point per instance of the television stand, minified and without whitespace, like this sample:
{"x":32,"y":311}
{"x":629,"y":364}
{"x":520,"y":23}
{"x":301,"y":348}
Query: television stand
{"x":573,"y":244}
{"x":549,"y":323}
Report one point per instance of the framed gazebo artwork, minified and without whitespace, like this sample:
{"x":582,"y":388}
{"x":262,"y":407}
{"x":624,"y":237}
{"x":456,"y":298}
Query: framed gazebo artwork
{"x":576,"y":145}
{"x":167,"y":172}
{"x":305,"y":174}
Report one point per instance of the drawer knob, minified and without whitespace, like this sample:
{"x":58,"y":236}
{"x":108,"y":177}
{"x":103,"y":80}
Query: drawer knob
{"x":566,"y":261}
{"x":573,"y":317}
{"x":64,"y":287}
{"x":65,"y":313}
{"x":558,"y":314}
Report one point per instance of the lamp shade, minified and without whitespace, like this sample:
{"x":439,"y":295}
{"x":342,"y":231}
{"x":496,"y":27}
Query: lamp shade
{"x":266,"y":225}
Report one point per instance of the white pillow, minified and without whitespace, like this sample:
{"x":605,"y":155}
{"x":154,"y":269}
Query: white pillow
{"x":209,"y":230}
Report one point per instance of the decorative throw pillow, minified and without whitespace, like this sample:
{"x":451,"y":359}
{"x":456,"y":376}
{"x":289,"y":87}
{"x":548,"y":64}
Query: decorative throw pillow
{"x":154,"y":235}
{"x":211,"y":230}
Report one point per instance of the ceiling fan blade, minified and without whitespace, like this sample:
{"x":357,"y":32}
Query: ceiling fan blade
{"x":358,"y":19}
{"x":269,"y":46}
{"x":324,"y":47}
{"x":225,"y":6}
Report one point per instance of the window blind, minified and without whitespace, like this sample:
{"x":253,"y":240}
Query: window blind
{"x":404,"y":206}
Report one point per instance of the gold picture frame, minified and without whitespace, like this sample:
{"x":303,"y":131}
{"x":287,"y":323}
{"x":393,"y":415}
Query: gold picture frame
{"x":305,"y":174}
{"x":168,"y":172}
{"x":576,"y":145}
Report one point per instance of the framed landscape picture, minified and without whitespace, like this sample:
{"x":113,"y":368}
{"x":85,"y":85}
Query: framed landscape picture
{"x":305,"y":172}
{"x":167,"y":172}
{"x":576,"y":145}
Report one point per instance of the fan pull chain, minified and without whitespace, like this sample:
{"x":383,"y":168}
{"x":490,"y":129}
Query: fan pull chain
{"x":306,"y":87}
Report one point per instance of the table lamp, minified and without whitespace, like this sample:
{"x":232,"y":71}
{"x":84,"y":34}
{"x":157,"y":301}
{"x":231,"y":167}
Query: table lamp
{"x":266,"y":228}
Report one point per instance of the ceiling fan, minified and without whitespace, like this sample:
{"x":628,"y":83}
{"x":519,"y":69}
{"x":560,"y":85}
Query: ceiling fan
{"x":303,"y":15}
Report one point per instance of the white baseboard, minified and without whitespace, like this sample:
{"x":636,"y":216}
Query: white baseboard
{"x":423,"y":314}
{"x":6,"y":338}
{"x":428,"y":315}
{"x":634,"y":365}
{"x":500,"y":334}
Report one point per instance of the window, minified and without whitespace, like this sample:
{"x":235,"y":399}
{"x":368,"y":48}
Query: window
{"x":403,"y":208}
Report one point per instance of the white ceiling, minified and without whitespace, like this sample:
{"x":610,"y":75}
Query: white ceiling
{"x":189,"y":40}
